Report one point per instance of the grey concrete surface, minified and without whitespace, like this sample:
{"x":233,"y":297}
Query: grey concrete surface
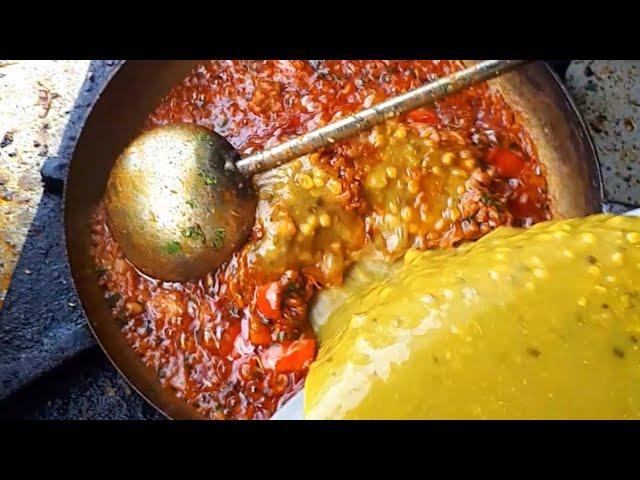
{"x":608,"y":94}
{"x":36,"y":100}
{"x":41,"y":326}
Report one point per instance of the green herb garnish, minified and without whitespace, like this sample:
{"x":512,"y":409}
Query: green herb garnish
{"x":293,"y":289}
{"x":487,"y":200}
{"x":112,"y":299}
{"x":206,"y":178}
{"x":172,"y":247}
{"x":191,"y":203}
{"x":219,"y":237}
{"x":121,"y":318}
{"x":195,"y":233}
{"x":203,"y":136}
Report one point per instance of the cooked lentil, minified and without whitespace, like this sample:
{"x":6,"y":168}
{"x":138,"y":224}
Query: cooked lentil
{"x":237,"y":343}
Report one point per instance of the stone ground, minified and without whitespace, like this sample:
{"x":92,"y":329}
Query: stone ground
{"x":36,"y":99}
{"x":608,"y":94}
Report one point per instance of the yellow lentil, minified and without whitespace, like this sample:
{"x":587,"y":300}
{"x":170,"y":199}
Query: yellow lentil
{"x":305,"y":181}
{"x":406,"y":213}
{"x":617,"y":258}
{"x":448,"y":158}
{"x":325,"y":219}
{"x":400,"y":132}
{"x":334,"y":186}
{"x":593,"y":270}
{"x":312,"y":220}
{"x":458,"y":172}
{"x":633,"y":237}
{"x":306,"y":229}
{"x":469,"y":163}
{"x":540,"y":273}
{"x":588,"y":237}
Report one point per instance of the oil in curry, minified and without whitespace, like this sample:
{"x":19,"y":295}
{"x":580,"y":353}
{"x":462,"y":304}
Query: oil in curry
{"x":239,"y":342}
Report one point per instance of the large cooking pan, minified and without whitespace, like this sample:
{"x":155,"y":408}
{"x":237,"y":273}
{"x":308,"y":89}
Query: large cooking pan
{"x":134,"y":90}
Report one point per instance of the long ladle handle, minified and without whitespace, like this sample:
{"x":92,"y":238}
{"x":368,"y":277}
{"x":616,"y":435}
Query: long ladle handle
{"x":365,"y":119}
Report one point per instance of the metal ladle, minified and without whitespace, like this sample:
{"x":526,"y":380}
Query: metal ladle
{"x":180,"y":200}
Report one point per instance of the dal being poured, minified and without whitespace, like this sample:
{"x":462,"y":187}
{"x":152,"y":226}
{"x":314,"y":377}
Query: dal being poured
{"x":522,"y":324}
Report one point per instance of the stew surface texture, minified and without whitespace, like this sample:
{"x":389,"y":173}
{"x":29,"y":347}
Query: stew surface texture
{"x":238,"y":343}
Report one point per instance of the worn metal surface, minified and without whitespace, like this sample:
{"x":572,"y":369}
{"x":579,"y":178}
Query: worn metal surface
{"x":176,"y":205}
{"x":608,"y":94}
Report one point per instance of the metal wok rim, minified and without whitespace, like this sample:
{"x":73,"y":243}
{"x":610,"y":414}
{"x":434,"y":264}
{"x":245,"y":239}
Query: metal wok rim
{"x":130,"y":382}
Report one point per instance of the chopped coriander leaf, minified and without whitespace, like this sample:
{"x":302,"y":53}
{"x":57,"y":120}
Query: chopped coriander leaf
{"x":293,"y":289}
{"x":112,"y":299}
{"x":172,"y":247}
{"x":203,"y":136}
{"x":191,"y":203}
{"x":219,"y":237}
{"x":195,"y":233}
{"x":206,"y":178}
{"x":487,"y":200}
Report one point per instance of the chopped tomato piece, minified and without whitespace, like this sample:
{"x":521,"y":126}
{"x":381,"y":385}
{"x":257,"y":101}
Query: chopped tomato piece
{"x":423,"y":115}
{"x":507,"y":163}
{"x":259,"y":333}
{"x":228,"y":338}
{"x":289,"y":356}
{"x":268,"y":300}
